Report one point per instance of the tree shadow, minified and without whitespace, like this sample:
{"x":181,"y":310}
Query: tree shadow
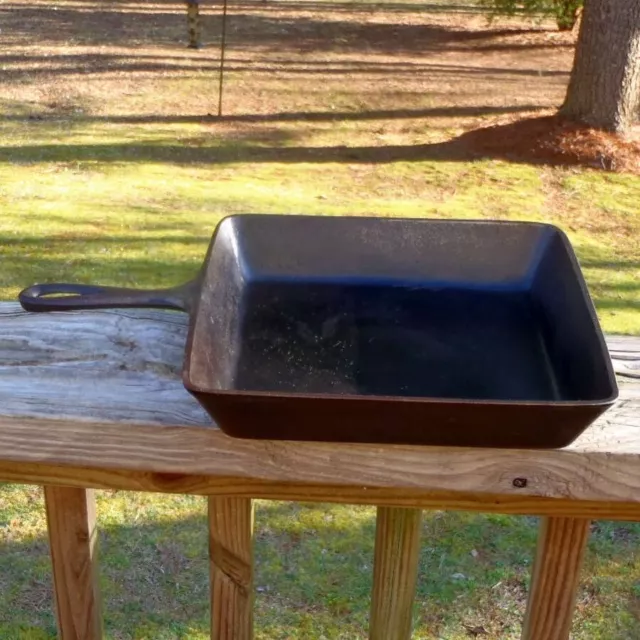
{"x":614,"y":265}
{"x":299,"y":27}
{"x":178,"y":66}
{"x":92,"y":44}
{"x":454,"y":6}
{"x":453,"y":111}
{"x":507,"y":142}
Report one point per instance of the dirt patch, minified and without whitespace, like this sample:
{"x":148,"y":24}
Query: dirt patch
{"x":555,"y":141}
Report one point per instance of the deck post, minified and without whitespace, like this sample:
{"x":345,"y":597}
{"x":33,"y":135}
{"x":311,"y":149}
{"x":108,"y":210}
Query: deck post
{"x":231,"y":568}
{"x":395,"y":571}
{"x":554,"y":579}
{"x":71,"y":522}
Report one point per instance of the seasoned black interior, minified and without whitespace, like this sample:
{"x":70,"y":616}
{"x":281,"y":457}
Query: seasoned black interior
{"x":378,"y":339}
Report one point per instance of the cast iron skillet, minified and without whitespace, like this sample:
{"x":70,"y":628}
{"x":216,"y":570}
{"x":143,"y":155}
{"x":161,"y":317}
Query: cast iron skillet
{"x":384,"y":330}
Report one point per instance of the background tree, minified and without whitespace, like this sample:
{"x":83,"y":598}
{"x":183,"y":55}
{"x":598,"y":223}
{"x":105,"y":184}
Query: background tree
{"x":604,"y":90}
{"x":565,"y":12}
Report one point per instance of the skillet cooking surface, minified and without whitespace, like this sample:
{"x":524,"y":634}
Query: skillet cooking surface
{"x":374,"y":339}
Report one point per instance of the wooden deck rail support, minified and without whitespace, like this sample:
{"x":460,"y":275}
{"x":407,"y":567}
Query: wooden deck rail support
{"x":395,"y":571}
{"x":71,"y":521}
{"x":554,"y":579}
{"x":231,"y":562}
{"x":79,"y":408}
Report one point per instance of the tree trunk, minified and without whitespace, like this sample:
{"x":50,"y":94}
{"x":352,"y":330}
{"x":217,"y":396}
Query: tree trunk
{"x":604,"y":90}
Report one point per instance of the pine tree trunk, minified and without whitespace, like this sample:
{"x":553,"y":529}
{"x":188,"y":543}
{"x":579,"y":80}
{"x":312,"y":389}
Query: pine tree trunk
{"x":604,"y":90}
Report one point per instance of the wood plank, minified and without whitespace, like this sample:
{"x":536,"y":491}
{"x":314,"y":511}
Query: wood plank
{"x":103,"y":373}
{"x":104,"y":365}
{"x":196,"y":460}
{"x":395,"y":571}
{"x":400,"y":496}
{"x":73,"y":545}
{"x":555,"y":576}
{"x":114,"y":365}
{"x":231,"y":568}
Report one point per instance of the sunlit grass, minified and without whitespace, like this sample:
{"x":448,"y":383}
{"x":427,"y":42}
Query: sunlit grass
{"x":136,"y":205}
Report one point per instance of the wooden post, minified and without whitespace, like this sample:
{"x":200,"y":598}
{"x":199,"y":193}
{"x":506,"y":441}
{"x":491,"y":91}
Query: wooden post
{"x":554,"y":581}
{"x":395,"y":570}
{"x":231,"y":568}
{"x":73,"y":545}
{"x":193,"y":23}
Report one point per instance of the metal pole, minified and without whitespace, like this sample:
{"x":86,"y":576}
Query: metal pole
{"x":223,"y":45}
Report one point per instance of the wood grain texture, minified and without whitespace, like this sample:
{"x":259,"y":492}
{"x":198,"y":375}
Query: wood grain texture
{"x":231,"y":568}
{"x":93,"y":399}
{"x":73,"y":545}
{"x":183,"y":460}
{"x":395,"y":571}
{"x":105,"y":365}
{"x":55,"y":474}
{"x":555,"y":576}
{"x":115,"y":365}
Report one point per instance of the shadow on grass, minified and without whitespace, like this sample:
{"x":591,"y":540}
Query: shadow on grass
{"x":170,"y":152}
{"x":311,"y":560}
{"x":445,"y":6}
{"x":283,"y":116}
{"x":611,"y":264}
{"x":18,"y":68}
{"x":275,"y":27}
{"x":496,"y":142}
{"x":547,"y":140}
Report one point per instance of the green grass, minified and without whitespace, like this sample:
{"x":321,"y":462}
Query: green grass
{"x":136,"y":204}
{"x":116,"y":176}
{"x":313,"y":571}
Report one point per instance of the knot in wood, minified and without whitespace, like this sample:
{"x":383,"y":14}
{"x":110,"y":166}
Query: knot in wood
{"x":519,"y":483}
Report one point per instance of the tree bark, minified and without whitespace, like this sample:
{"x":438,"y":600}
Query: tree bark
{"x":604,"y":90}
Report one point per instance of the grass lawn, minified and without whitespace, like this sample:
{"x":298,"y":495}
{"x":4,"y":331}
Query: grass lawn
{"x":112,"y":172}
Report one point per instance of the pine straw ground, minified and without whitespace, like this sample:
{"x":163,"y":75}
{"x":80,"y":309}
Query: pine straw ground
{"x":552,"y":140}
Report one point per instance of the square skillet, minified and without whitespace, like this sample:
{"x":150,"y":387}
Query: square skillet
{"x":406,"y":331}
{"x":384,"y":330}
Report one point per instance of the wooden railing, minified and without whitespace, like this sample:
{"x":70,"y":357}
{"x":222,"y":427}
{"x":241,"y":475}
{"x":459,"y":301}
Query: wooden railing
{"x":120,"y":363}
{"x":72,"y":535}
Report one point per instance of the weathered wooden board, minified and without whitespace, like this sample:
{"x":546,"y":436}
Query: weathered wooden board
{"x":103,"y":390}
{"x":103,"y":365}
{"x":116,"y":365}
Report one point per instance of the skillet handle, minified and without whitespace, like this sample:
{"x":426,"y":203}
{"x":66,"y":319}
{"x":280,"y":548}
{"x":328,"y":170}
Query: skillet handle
{"x":71,"y":297}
